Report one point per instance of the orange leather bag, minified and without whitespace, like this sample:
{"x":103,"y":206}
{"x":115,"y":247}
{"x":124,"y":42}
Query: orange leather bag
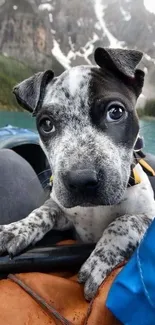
{"x":52,"y":299}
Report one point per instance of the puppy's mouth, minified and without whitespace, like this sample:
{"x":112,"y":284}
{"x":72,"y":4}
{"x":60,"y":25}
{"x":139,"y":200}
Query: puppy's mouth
{"x":98,"y":198}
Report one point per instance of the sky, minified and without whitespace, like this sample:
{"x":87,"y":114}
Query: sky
{"x":150,"y":5}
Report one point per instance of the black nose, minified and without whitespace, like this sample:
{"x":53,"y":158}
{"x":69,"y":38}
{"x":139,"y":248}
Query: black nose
{"x":81,"y":179}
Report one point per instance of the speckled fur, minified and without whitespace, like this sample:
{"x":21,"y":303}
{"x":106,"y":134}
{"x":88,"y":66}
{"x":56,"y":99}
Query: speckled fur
{"x":116,"y":217}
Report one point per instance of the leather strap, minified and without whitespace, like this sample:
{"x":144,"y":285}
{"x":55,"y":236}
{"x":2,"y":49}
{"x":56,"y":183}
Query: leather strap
{"x":51,"y":310}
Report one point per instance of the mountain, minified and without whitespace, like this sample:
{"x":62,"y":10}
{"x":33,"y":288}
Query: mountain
{"x":59,"y":34}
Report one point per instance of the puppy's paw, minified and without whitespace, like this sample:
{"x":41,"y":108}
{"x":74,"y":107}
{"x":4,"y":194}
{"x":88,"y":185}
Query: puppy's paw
{"x":16,"y":237}
{"x":117,"y":244}
{"x":92,"y":273}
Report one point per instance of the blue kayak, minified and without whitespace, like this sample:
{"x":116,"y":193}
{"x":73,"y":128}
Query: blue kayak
{"x":25,"y":142}
{"x":12,"y":136}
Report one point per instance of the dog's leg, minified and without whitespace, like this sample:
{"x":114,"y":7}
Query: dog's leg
{"x":118,"y":242}
{"x":18,"y":235}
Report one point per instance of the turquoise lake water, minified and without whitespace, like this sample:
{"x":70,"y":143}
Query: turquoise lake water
{"x":148,"y":132}
{"x":26,"y":121}
{"x":20,"y":119}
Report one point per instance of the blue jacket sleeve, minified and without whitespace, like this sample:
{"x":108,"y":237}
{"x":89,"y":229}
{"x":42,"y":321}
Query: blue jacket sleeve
{"x":132,"y":295}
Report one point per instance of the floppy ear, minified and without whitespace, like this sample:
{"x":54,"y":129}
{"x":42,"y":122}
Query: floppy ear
{"x":123,"y":63}
{"x":30,"y":92}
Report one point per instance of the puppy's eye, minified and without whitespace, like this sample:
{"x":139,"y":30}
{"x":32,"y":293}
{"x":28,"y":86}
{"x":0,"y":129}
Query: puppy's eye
{"x":46,"y":125}
{"x":115,"y":112}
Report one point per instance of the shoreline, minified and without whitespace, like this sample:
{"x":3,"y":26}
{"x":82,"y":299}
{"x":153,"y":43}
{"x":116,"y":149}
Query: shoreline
{"x":147,"y":118}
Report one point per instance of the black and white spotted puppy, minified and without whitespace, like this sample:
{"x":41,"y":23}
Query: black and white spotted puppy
{"x":88,"y":128}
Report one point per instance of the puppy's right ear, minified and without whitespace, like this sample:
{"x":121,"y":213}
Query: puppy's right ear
{"x":30,"y":92}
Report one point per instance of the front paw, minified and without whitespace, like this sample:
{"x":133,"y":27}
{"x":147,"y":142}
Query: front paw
{"x":92,"y":273}
{"x":15,"y":237}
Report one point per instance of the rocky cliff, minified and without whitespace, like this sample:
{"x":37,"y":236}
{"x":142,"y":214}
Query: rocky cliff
{"x":25,"y":34}
{"x":61,"y":33}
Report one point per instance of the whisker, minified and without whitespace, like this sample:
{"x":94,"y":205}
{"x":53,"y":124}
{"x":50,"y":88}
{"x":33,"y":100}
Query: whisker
{"x":44,"y":171}
{"x":46,"y":192}
{"x":46,"y":186}
{"x":44,"y":182}
{"x":132,"y":178}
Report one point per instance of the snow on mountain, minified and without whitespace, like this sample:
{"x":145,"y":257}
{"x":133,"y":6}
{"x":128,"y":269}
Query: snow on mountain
{"x":56,"y":51}
{"x":125,"y":14}
{"x":150,"y":5}
{"x":99,"y":8}
{"x":45,"y":6}
{"x":67,"y":32}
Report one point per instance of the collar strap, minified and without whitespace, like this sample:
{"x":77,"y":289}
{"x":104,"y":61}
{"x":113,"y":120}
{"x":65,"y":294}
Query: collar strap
{"x":134,"y":176}
{"x":51,"y":181}
{"x":146,"y":167}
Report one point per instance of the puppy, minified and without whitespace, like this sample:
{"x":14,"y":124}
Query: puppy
{"x":88,"y":128}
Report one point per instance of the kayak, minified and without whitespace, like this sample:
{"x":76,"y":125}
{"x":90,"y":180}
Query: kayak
{"x":25,"y":142}
{"x":130,"y":284}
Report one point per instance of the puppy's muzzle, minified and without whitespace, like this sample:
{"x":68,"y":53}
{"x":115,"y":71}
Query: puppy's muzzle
{"x":81,"y":180}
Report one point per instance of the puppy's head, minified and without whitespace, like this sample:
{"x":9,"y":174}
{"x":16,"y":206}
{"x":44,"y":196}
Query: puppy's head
{"x":88,"y":125}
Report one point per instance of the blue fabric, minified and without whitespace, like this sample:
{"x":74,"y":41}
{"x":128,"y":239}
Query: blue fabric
{"x":132,"y":295}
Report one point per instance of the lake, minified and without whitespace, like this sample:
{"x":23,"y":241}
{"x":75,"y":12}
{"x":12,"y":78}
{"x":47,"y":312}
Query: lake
{"x":25,"y":120}
{"x":21,"y":119}
{"x":148,"y":132}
